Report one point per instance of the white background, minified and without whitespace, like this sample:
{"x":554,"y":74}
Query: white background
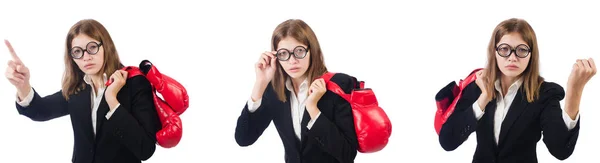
{"x":405,"y":51}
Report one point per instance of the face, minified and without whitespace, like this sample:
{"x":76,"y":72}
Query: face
{"x":291,"y":48}
{"x":87,"y":53}
{"x":513,"y":45}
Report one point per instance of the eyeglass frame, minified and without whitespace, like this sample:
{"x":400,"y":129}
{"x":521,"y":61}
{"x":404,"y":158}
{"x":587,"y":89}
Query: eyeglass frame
{"x":513,"y":50}
{"x":85,"y":50}
{"x":292,"y":53}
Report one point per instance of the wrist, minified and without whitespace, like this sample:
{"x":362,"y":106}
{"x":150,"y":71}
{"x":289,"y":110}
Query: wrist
{"x":482,"y":101}
{"x":259,"y":89}
{"x":312,"y":110}
{"x":112,"y":102}
{"x":23,"y":91}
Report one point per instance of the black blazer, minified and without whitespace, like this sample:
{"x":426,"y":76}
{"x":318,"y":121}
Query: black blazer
{"x":129,"y":135}
{"x":521,"y":129}
{"x":332,"y":138}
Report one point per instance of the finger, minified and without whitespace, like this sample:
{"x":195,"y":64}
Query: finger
{"x":15,"y":76}
{"x":12,"y":64}
{"x":593,"y":66}
{"x":13,"y":54}
{"x":273,"y":61}
{"x":124,"y":74}
{"x":586,"y":65}
{"x":321,"y":82}
{"x":259,"y":65}
{"x":266,"y":58}
{"x":19,"y":76}
{"x":579,"y":64}
{"x":16,"y":81}
{"x":22,"y":69}
{"x":262,"y":63}
{"x":273,"y":54}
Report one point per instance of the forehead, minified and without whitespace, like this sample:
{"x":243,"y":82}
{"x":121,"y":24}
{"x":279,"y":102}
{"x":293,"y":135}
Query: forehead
{"x":82,"y":40}
{"x":512,"y":39}
{"x":289,"y":43}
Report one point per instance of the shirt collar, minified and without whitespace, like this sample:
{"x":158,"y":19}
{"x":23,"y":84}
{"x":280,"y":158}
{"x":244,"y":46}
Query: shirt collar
{"x":88,"y":79}
{"x":514,"y":86}
{"x":288,"y":84}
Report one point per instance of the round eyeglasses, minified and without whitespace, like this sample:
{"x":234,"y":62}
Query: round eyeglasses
{"x":505,"y":50}
{"x":91,"y":48}
{"x":299,"y":52}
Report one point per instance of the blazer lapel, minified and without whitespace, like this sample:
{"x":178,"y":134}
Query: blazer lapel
{"x":516,"y":108}
{"x":79,"y":102}
{"x":286,"y":119}
{"x":303,"y":126}
{"x":100,"y":116}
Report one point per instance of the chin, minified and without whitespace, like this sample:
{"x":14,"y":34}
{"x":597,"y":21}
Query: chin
{"x":509,"y":73}
{"x":91,"y":72}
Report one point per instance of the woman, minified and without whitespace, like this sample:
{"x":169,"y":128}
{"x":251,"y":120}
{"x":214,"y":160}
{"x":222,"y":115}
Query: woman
{"x":315,"y":125}
{"x":510,"y":106}
{"x":112,"y":124}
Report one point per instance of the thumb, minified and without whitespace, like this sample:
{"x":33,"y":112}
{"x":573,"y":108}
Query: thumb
{"x":21,"y":69}
{"x":125,"y":73}
{"x":273,"y":60}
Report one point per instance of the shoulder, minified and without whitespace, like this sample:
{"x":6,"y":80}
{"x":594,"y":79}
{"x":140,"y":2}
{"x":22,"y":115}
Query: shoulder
{"x":138,"y":82}
{"x":345,"y":81}
{"x":551,"y":90}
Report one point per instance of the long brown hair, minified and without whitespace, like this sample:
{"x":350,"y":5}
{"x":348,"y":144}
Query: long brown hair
{"x":300,"y":31}
{"x":531,"y":76}
{"x":72,"y":81}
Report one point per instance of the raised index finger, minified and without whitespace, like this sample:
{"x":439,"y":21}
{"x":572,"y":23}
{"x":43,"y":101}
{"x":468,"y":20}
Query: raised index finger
{"x":13,"y":54}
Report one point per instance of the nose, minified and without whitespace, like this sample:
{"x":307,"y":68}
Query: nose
{"x":86,"y":57}
{"x":293,"y":60}
{"x":513,"y":56}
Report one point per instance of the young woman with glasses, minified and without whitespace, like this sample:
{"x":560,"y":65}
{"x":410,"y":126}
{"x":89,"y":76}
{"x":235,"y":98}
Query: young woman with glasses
{"x":511,"y":107}
{"x":315,"y":125}
{"x":114,"y":124}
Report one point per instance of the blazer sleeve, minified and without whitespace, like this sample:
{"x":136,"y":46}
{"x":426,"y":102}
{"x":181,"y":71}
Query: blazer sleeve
{"x":137,"y":129}
{"x":462,"y":122}
{"x":45,"y":108}
{"x":559,"y":140}
{"x":251,"y":125}
{"x":337,"y":136}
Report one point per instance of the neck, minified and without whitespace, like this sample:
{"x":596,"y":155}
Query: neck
{"x":296,"y":82}
{"x":97,"y":81}
{"x":505,"y":82}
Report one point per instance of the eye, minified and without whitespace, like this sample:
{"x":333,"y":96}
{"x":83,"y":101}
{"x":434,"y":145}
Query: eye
{"x":92,"y":48}
{"x":523,"y":50}
{"x":300,"y":50}
{"x":76,"y":51}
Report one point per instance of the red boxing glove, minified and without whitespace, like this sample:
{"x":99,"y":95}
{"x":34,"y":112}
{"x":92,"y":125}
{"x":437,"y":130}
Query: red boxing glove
{"x":171,"y":132}
{"x":171,"y":90}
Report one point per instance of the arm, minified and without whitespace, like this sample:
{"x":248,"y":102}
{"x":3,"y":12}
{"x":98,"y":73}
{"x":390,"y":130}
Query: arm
{"x":254,"y":119}
{"x":39,"y":108}
{"x":337,"y":137}
{"x":463,"y":120}
{"x":559,"y":139}
{"x":137,"y":130}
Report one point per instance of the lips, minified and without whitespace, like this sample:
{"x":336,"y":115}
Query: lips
{"x":294,"y":69}
{"x":511,"y":66}
{"x":88,"y":66}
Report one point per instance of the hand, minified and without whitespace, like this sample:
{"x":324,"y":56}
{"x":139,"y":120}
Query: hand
{"x":315,"y":92}
{"x":265,"y":67}
{"x":481,"y":83}
{"x":118,"y":79}
{"x":17,"y":73}
{"x":583,"y":71}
